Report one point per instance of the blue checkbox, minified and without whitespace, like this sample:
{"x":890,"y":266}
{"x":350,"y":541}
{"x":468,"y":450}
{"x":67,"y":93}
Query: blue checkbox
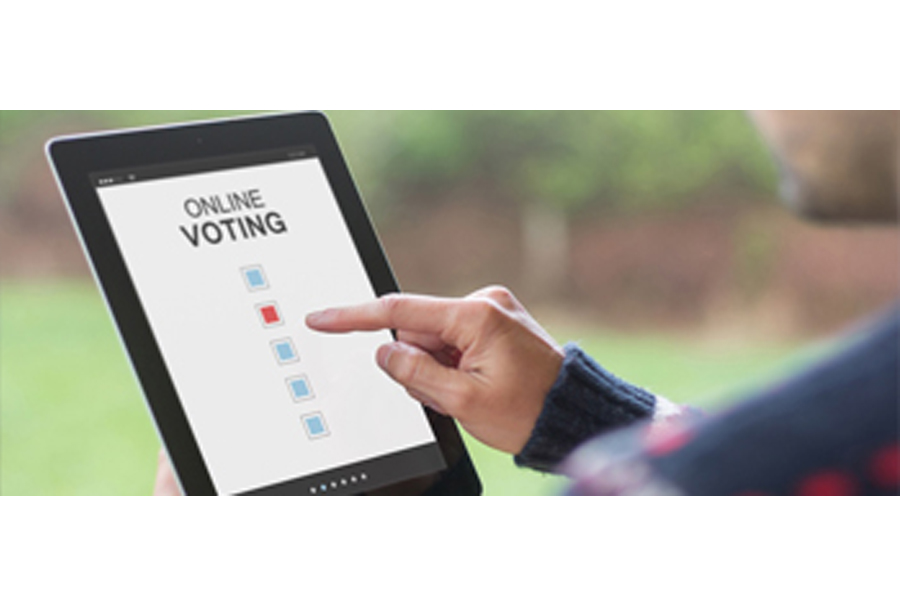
{"x":255,"y":278}
{"x":315,"y":426}
{"x":285,"y":351}
{"x":300,"y":388}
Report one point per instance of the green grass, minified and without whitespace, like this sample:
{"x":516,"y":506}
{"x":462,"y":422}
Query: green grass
{"x":72,"y":420}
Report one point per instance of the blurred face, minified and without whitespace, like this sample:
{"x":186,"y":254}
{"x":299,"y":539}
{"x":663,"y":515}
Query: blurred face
{"x":837,"y":165}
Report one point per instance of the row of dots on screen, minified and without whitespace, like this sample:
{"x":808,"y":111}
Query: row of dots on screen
{"x":338,"y":484}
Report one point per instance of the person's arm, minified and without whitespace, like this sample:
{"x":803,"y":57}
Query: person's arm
{"x":585,"y":401}
{"x":830,"y":429}
{"x":485,"y":361}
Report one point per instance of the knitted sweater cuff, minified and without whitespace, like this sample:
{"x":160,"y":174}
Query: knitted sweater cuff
{"x":585,"y":401}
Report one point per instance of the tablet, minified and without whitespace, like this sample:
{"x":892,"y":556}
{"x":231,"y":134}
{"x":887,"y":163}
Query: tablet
{"x":211,"y":243}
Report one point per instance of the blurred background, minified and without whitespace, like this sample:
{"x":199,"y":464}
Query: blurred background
{"x":655,"y":239}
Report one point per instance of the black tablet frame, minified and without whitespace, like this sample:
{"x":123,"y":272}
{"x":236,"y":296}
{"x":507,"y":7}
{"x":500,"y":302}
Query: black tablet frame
{"x":75,"y":158}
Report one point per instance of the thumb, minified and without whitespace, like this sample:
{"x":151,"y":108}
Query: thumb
{"x":422,"y":375}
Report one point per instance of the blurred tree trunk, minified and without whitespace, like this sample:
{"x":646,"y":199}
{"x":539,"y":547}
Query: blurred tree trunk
{"x":545,"y":241}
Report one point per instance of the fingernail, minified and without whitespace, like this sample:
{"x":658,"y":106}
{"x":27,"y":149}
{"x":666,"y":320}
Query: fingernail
{"x":318,"y":318}
{"x":383,"y":356}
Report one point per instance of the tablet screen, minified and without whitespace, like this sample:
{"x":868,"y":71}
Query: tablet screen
{"x":228,"y":256}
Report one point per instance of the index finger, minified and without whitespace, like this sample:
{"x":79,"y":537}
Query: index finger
{"x":421,"y":314}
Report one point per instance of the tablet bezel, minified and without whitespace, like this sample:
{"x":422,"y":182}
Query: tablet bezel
{"x":76,"y":158}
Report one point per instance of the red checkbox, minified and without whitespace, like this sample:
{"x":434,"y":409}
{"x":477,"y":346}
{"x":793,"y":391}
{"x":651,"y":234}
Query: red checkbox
{"x":270,"y":315}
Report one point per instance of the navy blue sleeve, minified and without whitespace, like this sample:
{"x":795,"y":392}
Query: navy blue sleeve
{"x":833,"y":429}
{"x":585,"y":401}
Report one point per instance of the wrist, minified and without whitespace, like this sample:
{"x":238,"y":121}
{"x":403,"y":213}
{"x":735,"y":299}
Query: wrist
{"x":584,"y":401}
